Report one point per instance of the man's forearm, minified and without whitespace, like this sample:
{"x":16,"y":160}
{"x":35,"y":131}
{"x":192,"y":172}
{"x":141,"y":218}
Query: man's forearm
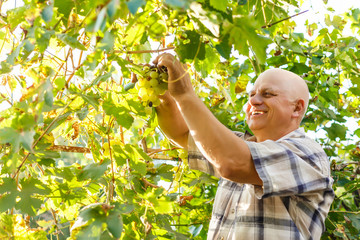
{"x":171,"y":121}
{"x":227,"y":152}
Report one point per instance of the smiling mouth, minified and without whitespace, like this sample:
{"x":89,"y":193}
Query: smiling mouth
{"x":257,"y":113}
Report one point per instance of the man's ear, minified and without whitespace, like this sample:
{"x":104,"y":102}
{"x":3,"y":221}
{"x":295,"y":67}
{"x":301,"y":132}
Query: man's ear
{"x":299,"y":108}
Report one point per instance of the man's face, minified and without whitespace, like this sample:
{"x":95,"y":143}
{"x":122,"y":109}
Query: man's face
{"x":269,"y":108}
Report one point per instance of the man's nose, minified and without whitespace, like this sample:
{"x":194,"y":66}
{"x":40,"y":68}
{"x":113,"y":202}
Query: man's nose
{"x":256,"y":99}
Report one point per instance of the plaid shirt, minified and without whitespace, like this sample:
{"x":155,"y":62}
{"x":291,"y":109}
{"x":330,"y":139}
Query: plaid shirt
{"x":292,"y":203}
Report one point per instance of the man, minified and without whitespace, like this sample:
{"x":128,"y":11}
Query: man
{"x":273,"y":185}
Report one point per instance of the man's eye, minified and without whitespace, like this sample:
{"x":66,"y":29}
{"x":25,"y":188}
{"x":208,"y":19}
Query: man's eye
{"x":268,"y":94}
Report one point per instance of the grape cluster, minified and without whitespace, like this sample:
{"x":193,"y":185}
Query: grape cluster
{"x":151,"y":83}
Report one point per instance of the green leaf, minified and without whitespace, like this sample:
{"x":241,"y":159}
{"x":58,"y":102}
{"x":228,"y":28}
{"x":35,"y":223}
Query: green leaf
{"x":101,"y":78}
{"x":107,"y":43}
{"x":27,"y":139}
{"x":115,"y":224}
{"x":224,"y":48}
{"x":43,"y":37}
{"x":219,"y":5}
{"x":59,"y":83}
{"x":243,"y":33}
{"x":60,"y":120}
{"x":134,"y":5}
{"x":192,"y":48}
{"x":49,"y":98}
{"x":92,"y":100}
{"x":91,"y":231}
{"x":355,"y":90}
{"x":28,"y":204}
{"x":136,"y":161}
{"x":71,"y":41}
{"x":182,"y":4}
{"x":299,"y":68}
{"x":8,"y":194}
{"x":8,"y":185}
{"x":134,"y":34}
{"x":208,"y":64}
{"x":16,"y":16}
{"x":355,"y":220}
{"x":47,"y":12}
{"x":289,"y":44}
{"x":163,"y":206}
{"x":94,"y":171}
{"x":195,"y":230}
{"x":317,"y":60}
{"x":10,"y":135}
{"x":336,"y":130}
{"x":81,"y":114}
{"x":7,"y":201}
{"x":357,"y":132}
{"x":64,"y":7}
{"x":121,"y":114}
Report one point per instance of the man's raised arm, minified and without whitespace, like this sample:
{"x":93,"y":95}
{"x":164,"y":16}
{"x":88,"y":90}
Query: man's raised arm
{"x":171,"y":121}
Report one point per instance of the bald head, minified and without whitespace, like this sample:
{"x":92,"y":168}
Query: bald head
{"x":294,"y":86}
{"x":277,"y":103}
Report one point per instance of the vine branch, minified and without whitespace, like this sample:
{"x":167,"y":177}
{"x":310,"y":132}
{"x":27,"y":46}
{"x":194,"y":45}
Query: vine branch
{"x":145,"y":51}
{"x":284,"y":19}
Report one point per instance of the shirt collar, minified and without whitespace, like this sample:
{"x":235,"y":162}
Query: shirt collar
{"x":297,"y":133}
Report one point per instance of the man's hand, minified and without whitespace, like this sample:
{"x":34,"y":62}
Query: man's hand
{"x":179,"y":83}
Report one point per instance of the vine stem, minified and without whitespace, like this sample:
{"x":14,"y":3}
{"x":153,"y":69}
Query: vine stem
{"x":284,"y":19}
{"x":338,"y":211}
{"x":6,"y":99}
{"x":177,"y":171}
{"x":154,"y":151}
{"x":186,"y":225}
{"x":41,"y":136}
{"x":112,"y":184}
{"x":145,"y":51}
{"x":56,"y":223}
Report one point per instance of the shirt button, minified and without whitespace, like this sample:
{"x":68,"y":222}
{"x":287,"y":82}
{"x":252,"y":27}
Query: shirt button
{"x":222,"y":238}
{"x":233,"y":211}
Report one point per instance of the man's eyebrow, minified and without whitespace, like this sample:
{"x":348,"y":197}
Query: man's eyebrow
{"x":262,"y":90}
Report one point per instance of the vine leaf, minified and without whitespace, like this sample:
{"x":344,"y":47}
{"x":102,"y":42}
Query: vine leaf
{"x":15,"y":138}
{"x":219,"y":5}
{"x":71,"y":41}
{"x":192,"y":48}
{"x":115,"y":224}
{"x":8,"y":194}
{"x":64,"y":7}
{"x":134,"y":5}
{"x":94,"y":170}
{"x":30,"y":187}
{"x":336,"y":130}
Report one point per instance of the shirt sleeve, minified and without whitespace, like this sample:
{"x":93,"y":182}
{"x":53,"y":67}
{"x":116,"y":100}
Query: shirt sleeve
{"x":197,"y":161}
{"x":290,"y":166}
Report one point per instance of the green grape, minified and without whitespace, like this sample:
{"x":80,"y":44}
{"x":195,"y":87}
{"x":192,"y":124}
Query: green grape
{"x":153,"y":97}
{"x":163,"y":76}
{"x":147,"y":84}
{"x":151,"y":83}
{"x":148,"y":110}
{"x":154,"y":74}
{"x":154,"y":82}
{"x":141,"y":82}
{"x":142,"y":92}
{"x":156,"y":102}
